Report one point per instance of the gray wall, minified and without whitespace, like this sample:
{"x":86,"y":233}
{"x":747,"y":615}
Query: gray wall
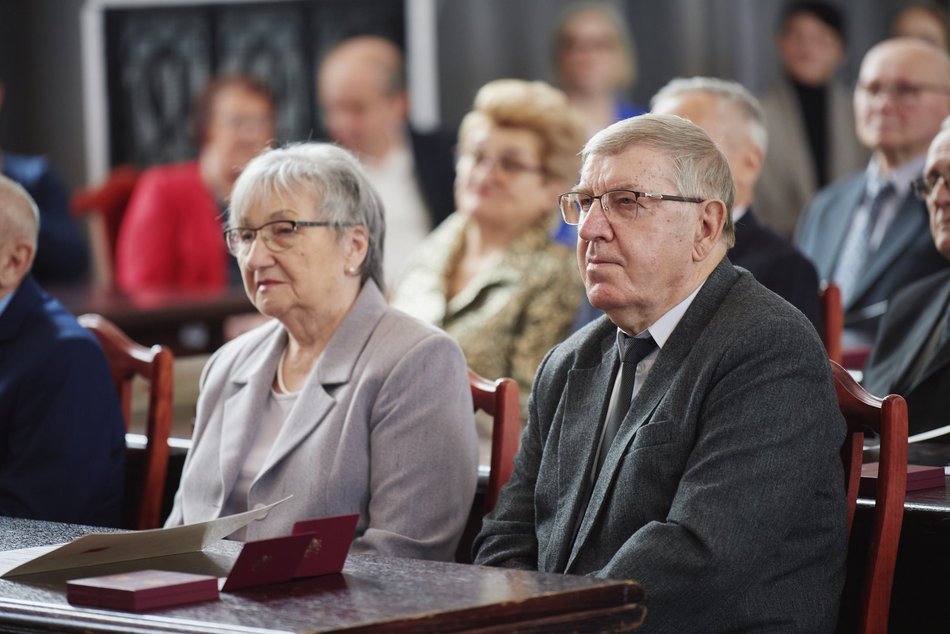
{"x":484,"y":39}
{"x":39,"y":64}
{"x":478,"y":40}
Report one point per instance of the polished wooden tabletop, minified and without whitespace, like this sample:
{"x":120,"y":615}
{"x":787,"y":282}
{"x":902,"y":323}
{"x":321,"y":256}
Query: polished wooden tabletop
{"x":373,"y":594}
{"x":152,"y":305}
{"x":924,"y":506}
{"x":921,"y":581}
{"x":188,"y":322}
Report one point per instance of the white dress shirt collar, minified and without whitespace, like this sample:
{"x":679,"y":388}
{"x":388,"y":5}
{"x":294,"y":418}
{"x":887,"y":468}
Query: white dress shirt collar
{"x":663,"y":327}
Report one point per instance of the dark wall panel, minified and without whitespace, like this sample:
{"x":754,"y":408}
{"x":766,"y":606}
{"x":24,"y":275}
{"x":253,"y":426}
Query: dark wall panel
{"x":159,"y":59}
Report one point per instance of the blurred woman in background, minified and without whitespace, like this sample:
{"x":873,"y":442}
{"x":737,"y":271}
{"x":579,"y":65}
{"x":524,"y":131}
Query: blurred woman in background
{"x":595,"y":62}
{"x":170,"y":238}
{"x":490,"y":275}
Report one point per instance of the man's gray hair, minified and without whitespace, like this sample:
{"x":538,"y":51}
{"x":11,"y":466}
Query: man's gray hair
{"x":324,"y":172}
{"x":699,"y":168}
{"x":730,"y":93}
{"x":18,"y":211}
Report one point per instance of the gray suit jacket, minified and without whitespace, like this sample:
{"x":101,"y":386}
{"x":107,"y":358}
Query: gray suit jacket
{"x":722,"y":492}
{"x":383,"y":423}
{"x":788,"y":183}
{"x":906,"y":254}
{"x":903,"y":339}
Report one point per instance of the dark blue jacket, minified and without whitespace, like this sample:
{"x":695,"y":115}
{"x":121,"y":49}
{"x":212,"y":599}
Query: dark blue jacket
{"x":62,"y":437}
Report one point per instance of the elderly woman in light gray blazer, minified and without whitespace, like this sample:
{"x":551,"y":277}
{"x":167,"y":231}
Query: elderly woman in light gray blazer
{"x":345,"y":403}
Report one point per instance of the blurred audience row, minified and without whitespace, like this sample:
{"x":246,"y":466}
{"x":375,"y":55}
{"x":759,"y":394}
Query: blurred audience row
{"x":831,"y":185}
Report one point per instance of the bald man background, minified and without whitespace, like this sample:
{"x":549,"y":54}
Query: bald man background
{"x":733,"y":118}
{"x":869,"y":233}
{"x":361,"y":91}
{"x":62,"y":437}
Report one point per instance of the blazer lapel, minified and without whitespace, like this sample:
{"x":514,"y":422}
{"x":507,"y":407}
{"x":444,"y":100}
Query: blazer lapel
{"x":931,"y":318}
{"x":939,"y":360}
{"x":641,"y":410}
{"x":334,"y":367}
{"x":914,"y":340}
{"x":243,"y":409}
{"x":587,"y":392}
{"x":910,"y":221}
{"x":668,"y":361}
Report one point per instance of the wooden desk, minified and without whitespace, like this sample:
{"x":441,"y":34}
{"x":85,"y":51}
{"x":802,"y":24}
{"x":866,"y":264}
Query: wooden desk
{"x":189,"y":323}
{"x":920,"y":601}
{"x":374,"y":594}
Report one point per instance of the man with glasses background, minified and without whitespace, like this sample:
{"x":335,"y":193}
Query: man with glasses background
{"x":734,"y":119}
{"x":659,"y":445}
{"x":912,"y":351}
{"x":869,"y":233}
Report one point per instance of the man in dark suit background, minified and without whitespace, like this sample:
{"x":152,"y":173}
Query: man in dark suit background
{"x":869,"y":233}
{"x":912,"y":352}
{"x":732,"y":117}
{"x":728,"y":510}
{"x":365,"y":105}
{"x":62,"y":438}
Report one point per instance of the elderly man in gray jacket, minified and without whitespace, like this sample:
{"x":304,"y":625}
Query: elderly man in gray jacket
{"x":705,"y":465}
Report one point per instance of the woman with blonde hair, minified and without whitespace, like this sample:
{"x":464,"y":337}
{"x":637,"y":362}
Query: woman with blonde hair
{"x":490,"y":274}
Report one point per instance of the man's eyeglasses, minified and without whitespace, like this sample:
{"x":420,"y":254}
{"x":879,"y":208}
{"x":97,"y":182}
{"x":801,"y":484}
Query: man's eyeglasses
{"x":623,"y":204}
{"x":905,"y":92}
{"x":507,"y":165}
{"x":924,"y":186}
{"x":278,"y":235}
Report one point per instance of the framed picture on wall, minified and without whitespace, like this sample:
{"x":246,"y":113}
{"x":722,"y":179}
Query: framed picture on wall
{"x":154,"y":58}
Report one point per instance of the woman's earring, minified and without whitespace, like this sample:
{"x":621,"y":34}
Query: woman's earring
{"x":351,"y":270}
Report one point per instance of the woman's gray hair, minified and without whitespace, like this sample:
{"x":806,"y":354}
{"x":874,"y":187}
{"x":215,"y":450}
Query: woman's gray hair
{"x":699,"y":168}
{"x":324,"y":172}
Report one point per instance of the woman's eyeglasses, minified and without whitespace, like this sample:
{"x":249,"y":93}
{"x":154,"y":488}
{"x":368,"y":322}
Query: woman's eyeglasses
{"x":277,"y":235}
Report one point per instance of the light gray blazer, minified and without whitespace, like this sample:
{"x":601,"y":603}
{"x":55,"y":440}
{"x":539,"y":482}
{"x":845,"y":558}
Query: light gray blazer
{"x":723,"y":492}
{"x":383,"y":427}
{"x":788,"y":182}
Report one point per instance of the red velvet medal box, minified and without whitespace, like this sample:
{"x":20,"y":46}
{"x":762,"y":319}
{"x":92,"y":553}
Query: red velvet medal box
{"x":918,"y":477}
{"x":142,"y":590}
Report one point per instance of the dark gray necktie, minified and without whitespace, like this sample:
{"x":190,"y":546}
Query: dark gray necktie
{"x":852,"y":261}
{"x":632,"y":351}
